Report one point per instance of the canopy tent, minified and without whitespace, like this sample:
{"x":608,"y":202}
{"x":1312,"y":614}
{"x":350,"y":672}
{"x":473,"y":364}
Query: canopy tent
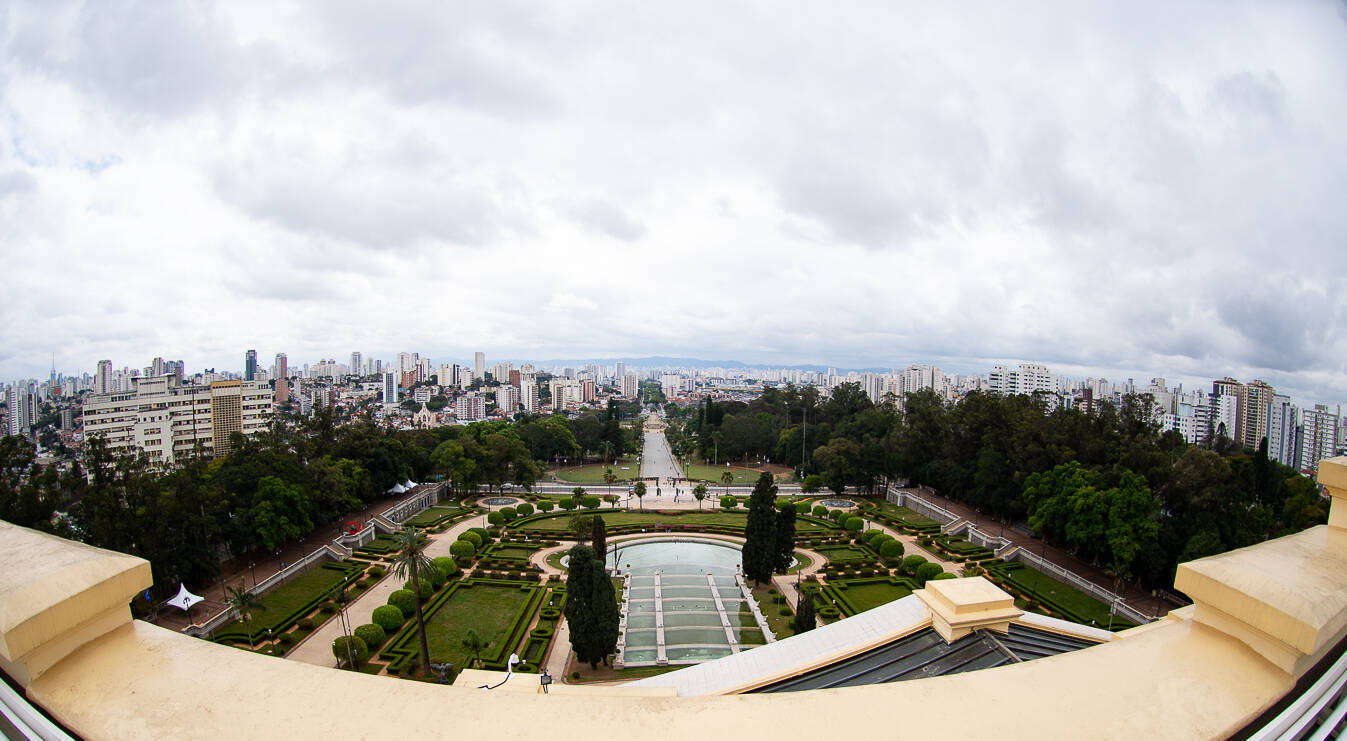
{"x":184,"y":599}
{"x":397,"y":489}
{"x":408,"y":485}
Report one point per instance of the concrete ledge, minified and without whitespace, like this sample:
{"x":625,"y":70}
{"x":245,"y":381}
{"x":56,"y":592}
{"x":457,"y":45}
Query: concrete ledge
{"x":56,"y":595}
{"x":960,"y":606}
{"x":1284,"y":598}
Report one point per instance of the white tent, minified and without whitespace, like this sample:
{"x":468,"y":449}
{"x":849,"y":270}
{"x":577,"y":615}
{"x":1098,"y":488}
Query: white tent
{"x":408,"y":485}
{"x":184,"y":599}
{"x":397,"y":489}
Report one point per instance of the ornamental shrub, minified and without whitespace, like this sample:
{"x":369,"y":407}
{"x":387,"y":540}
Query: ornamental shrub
{"x":590,"y":501}
{"x":853,"y":523}
{"x":404,"y":600}
{"x":437,"y":577}
{"x":446,"y":566}
{"x":305,"y":623}
{"x":802,"y":508}
{"x":728,"y":502}
{"x":545,"y":505}
{"x":508,"y":514}
{"x":473,"y":538}
{"x":461,"y":549}
{"x":869,"y":536}
{"x":483,"y":535}
{"x":820,"y":511}
{"x":927,"y":571}
{"x":568,"y":503}
{"x":891,"y":548}
{"x":373,"y":635}
{"x":911,"y":563}
{"x":943,"y":575}
{"x":427,"y":587}
{"x":388,"y":617}
{"x":524,"y":510}
{"x":287,"y":639}
{"x":782,"y":502}
{"x":357,"y":650}
{"x":785,"y":611}
{"x":496,"y":518}
{"x":377,"y":572}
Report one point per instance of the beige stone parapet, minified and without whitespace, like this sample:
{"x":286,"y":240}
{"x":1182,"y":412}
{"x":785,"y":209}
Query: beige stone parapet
{"x":1287,"y":598}
{"x":57,"y":595}
{"x":960,"y":606}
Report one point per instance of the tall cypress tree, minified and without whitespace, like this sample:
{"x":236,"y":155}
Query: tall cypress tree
{"x":759,"y":552}
{"x":804,"y":614}
{"x":591,"y":607}
{"x":599,"y":538}
{"x":785,"y":538}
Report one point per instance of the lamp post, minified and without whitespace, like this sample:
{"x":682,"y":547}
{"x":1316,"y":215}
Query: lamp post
{"x":253,"y":565}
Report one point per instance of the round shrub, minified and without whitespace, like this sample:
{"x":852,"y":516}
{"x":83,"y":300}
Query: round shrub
{"x":404,"y":600}
{"x":590,"y":501}
{"x":357,"y":649}
{"x":508,"y":513}
{"x":545,"y":505}
{"x":728,"y":502}
{"x":781,"y":502}
{"x":869,"y":536}
{"x":853,"y":523}
{"x":802,"y":508}
{"x":373,"y":635}
{"x":473,"y":538}
{"x":575,"y":675}
{"x":437,"y":576}
{"x":427,"y":587}
{"x":524,"y":509}
{"x":541,"y":631}
{"x":305,"y":623}
{"x":377,"y":572}
{"x":483,"y":535}
{"x":785,"y":611}
{"x":836,"y":515}
{"x":446,"y":566}
{"x":820,"y":511}
{"x":549,"y":613}
{"x":568,"y":503}
{"x":388,"y":617}
{"x":287,"y":639}
{"x":891,"y":548}
{"x":927,"y":571}
{"x":829,"y":612}
{"x":328,"y":609}
{"x":461,"y":549}
{"x":496,"y":518}
{"x":911,"y":563}
{"x":943,"y":575}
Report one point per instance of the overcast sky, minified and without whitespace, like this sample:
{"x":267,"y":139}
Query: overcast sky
{"x":1117,"y":189}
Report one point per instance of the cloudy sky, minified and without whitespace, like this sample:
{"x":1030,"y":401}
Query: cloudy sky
{"x":1125,"y":189}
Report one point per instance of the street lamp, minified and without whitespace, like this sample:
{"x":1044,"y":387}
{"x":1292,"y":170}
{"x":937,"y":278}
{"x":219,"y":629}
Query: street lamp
{"x":253,"y":565}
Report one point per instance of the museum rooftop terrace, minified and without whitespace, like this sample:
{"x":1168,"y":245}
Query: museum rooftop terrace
{"x":1245,"y":659}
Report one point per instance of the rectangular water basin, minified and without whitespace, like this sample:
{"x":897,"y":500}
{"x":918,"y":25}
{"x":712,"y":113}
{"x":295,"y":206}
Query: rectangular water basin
{"x":688,"y":619}
{"x":640,"y":656}
{"x":702,"y":592}
{"x":685,"y":636}
{"x":698,"y":653}
{"x":640,"y":638}
{"x":644,"y":620}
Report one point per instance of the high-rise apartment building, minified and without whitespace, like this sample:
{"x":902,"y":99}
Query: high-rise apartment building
{"x":1318,"y":436}
{"x":168,"y":420}
{"x":356,"y":368}
{"x":507,"y":399}
{"x":1258,"y":398}
{"x":630,"y":385}
{"x":103,"y":377}
{"x":21,"y":408}
{"x":1282,"y":420}
{"x":478,"y":366}
{"x":528,"y":396}
{"x":249,"y":366}
{"x":1027,"y":379}
{"x":390,"y":388}
{"x":449,"y":374}
{"x":470,"y":408}
{"x":1227,"y":409}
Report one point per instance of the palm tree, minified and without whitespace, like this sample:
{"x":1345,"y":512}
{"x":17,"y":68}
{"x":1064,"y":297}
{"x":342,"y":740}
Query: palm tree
{"x":242,"y":602}
{"x":609,"y":478}
{"x":475,"y":646}
{"x":699,"y":491}
{"x":412,"y":562}
{"x":727,"y":478}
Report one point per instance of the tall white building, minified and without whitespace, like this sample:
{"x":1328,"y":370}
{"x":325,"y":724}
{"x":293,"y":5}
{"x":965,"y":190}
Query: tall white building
{"x":357,"y":365}
{"x":390,"y":388}
{"x":629,"y":385}
{"x":1318,"y":436}
{"x":1026,"y":379}
{"x":528,"y":396}
{"x":478,"y":366}
{"x":507,"y":399}
{"x":470,"y":408}
{"x":1282,"y":420}
{"x":448,"y":375}
{"x":103,"y":377}
{"x":169,"y":420}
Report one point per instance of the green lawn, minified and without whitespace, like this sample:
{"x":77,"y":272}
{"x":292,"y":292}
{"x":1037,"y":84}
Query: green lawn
{"x":843,"y":553}
{"x":283,"y":600}
{"x":893,"y":510}
{"x":511,"y":551}
{"x":711,"y":474}
{"x":780,"y":624}
{"x":432,"y":516}
{"x":561,"y":522}
{"x":485,"y":608}
{"x":593,"y":474}
{"x":1033,"y":581}
{"x":867,"y":596}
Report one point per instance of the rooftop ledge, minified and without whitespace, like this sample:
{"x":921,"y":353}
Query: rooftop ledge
{"x":1262,"y":616}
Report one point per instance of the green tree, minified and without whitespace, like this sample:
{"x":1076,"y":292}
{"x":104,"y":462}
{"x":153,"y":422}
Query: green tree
{"x":727,"y":478}
{"x":639,"y":491}
{"x":699,"y":493}
{"x":599,"y":538}
{"x":760,"y":549}
{"x":785,"y":538}
{"x":242,"y":603}
{"x":412,"y":562}
{"x":475,"y":645}
{"x":805,"y":619}
{"x":591,"y":607}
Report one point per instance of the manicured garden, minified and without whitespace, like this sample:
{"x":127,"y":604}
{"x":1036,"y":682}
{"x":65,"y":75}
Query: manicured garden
{"x":289,"y":604}
{"x":499,"y":611}
{"x":711,"y":474}
{"x":1042,"y":593}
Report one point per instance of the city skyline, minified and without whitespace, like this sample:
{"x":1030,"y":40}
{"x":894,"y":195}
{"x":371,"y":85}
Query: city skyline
{"x":1125,"y":192}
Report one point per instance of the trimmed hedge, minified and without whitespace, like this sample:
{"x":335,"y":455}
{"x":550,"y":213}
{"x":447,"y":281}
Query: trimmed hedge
{"x":373,"y":635}
{"x":404,"y":600}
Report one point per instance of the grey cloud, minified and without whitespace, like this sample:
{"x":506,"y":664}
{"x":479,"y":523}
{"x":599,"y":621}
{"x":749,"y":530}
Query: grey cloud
{"x":1247,"y":94}
{"x":16,"y":182}
{"x":608,"y":218}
